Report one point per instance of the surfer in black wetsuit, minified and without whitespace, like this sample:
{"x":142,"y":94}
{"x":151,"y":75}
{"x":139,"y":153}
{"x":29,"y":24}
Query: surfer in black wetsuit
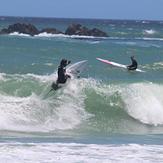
{"x":133,"y":65}
{"x":62,"y":76}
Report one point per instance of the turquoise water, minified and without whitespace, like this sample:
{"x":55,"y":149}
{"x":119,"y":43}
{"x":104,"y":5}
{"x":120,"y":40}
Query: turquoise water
{"x":107,"y":109}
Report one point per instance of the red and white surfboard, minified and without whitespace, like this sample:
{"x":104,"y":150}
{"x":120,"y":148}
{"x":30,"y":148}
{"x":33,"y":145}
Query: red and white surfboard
{"x":116,"y":64}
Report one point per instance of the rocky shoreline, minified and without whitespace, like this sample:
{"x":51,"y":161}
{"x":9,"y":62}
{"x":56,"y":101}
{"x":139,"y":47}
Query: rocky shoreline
{"x":73,"y":29}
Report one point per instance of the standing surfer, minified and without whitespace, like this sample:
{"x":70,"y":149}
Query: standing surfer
{"x":133,"y":65}
{"x":62,"y":76}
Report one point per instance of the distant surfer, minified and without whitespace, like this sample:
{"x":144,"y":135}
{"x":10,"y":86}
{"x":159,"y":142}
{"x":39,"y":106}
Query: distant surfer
{"x":133,"y":65}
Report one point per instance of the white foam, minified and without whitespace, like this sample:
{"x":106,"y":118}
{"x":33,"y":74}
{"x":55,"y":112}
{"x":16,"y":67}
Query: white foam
{"x":150,"y":32}
{"x":2,"y":76}
{"x":50,"y":35}
{"x":144,"y":102}
{"x":64,"y":111}
{"x":20,"y":77}
{"x":94,"y":42}
{"x":45,"y":34}
{"x":145,"y":22}
{"x":41,"y":78}
{"x":16,"y":152}
{"x":151,"y":39}
{"x":19,"y":34}
{"x":137,"y":38}
{"x":155,"y":66}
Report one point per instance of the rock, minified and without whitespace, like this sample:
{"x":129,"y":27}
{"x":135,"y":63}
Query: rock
{"x":73,"y":29}
{"x":21,"y":28}
{"x":98,"y":33}
{"x":51,"y":30}
{"x":78,"y":29}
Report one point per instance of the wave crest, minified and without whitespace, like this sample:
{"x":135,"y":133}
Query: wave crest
{"x":92,"y":104}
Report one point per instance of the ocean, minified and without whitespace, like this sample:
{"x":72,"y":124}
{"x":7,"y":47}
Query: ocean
{"x":107,"y":115}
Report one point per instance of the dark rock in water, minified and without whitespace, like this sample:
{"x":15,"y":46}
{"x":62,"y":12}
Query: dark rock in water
{"x":78,"y":29}
{"x":21,"y":28}
{"x":51,"y":30}
{"x":97,"y":32}
{"x":74,"y":29}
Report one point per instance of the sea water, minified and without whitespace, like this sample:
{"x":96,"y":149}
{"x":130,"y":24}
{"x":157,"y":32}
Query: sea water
{"x":107,"y":115}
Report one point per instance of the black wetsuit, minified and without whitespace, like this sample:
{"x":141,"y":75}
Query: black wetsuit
{"x":134,"y":65}
{"x":62,"y":77}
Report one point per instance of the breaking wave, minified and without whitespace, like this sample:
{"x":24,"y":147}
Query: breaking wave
{"x":149,"y":32}
{"x":49,"y":35}
{"x":84,"y":104}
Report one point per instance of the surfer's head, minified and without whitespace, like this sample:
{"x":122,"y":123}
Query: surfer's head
{"x":63,"y":62}
{"x":132,"y":57}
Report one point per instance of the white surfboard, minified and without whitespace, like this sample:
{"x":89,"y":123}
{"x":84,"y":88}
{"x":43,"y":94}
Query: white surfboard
{"x":117,"y":64}
{"x":74,"y":71}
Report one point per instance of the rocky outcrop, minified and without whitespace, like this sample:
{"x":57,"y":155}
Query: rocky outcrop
{"x":51,"y":31}
{"x":78,"y":29}
{"x":97,"y":32}
{"x":74,"y":29}
{"x":21,"y":28}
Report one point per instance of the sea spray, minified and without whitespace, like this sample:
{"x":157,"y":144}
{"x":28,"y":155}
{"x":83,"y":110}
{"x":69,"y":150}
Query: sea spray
{"x":64,"y":109}
{"x":143,"y":101}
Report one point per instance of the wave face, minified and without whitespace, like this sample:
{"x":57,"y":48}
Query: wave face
{"x":84,"y":105}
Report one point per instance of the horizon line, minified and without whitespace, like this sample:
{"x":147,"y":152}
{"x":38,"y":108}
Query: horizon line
{"x":47,"y":17}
